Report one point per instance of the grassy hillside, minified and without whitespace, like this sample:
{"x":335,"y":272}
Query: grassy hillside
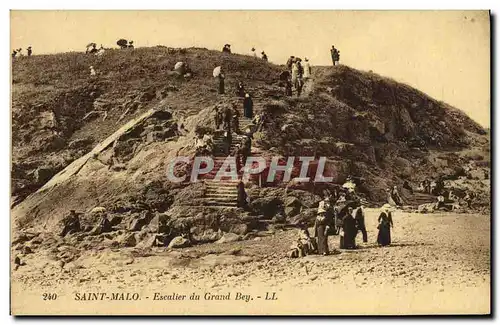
{"x":51,"y":94}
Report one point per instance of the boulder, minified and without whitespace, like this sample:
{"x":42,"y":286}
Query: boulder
{"x":267,"y":206}
{"x":229,"y":238}
{"x":149,"y":240}
{"x":137,"y":223}
{"x":209,"y":235}
{"x":292,"y":206}
{"x":238,"y":228}
{"x":179,"y":242}
{"x":44,"y":174}
{"x":155,"y":136}
{"x":127,"y":240}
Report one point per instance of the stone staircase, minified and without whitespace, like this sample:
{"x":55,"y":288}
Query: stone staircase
{"x":223,"y":193}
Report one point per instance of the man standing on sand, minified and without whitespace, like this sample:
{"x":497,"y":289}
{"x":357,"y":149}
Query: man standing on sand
{"x":321,"y":229}
{"x":359,"y":216}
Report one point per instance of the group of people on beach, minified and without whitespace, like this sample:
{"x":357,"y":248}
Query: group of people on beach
{"x":341,"y":214}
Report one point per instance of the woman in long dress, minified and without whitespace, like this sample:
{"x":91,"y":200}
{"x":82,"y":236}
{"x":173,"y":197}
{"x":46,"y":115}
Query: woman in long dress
{"x":248,"y":106}
{"x":348,"y":238}
{"x":384,"y":226}
{"x":321,"y":232}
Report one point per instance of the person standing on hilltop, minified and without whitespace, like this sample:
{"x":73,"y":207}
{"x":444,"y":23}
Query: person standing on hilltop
{"x":130,"y":44}
{"x":295,"y":73}
{"x":289,"y":62}
{"x":29,"y":50}
{"x":307,"y":70}
{"x":14,"y":53}
{"x":299,"y":81}
{"x":253,"y":53}
{"x":227,"y":48}
{"x":335,"y":55}
{"x":264,"y":56}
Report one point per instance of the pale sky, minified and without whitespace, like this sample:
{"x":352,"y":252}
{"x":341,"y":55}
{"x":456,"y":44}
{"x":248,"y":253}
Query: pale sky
{"x":445,"y":54}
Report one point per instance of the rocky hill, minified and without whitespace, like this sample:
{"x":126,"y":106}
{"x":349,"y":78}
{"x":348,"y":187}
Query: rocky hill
{"x":81,"y":141}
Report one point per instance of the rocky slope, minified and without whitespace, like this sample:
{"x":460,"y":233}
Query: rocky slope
{"x":374,"y":128}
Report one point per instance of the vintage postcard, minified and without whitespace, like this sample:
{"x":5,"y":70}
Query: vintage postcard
{"x":250,"y":163}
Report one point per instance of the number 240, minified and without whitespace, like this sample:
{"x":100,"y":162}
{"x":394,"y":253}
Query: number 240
{"x":49,"y":296}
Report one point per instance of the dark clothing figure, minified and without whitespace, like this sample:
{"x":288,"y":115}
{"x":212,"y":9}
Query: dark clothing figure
{"x":289,"y":62}
{"x":427,"y":186}
{"x":384,"y":228}
{"x":299,"y":86}
{"x":246,"y":149}
{"x":218,"y":118}
{"x":221,"y":83}
{"x":228,"y":116}
{"x":240,"y":90}
{"x":236,"y":124}
{"x":242,"y":195}
{"x":264,"y":56}
{"x":288,"y":88}
{"x":321,"y":234}
{"x":237,"y":157}
{"x":248,"y":106}
{"x":131,"y":44}
{"x":407,"y":186}
{"x":93,"y":50}
{"x":14,"y":53}
{"x":335,"y":55}
{"x":30,"y":51}
{"x":71,"y":224}
{"x":285,"y":75}
{"x":360,"y":223}
{"x":226,"y":49}
{"x":348,"y":240}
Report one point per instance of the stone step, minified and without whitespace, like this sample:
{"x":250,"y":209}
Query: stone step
{"x":219,"y":199}
{"x":221,"y":183}
{"x":233,"y":194}
{"x":217,"y":203}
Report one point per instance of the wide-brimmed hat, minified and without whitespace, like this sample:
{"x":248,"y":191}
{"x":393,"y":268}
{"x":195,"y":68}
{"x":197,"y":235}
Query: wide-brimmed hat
{"x":386,"y":206}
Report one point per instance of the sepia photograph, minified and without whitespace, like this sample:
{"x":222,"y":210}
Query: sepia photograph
{"x":250,"y":162}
